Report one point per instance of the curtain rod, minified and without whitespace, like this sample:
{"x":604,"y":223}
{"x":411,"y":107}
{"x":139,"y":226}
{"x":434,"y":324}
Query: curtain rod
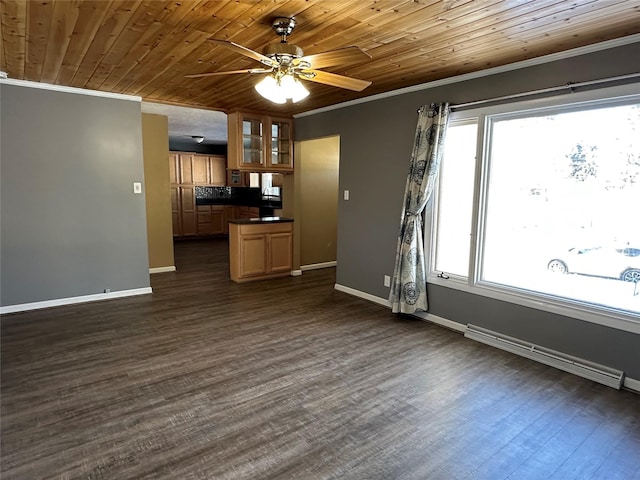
{"x":569,"y":86}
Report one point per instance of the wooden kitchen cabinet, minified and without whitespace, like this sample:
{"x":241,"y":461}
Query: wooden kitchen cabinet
{"x":186,"y":170}
{"x":203,"y":170}
{"x":188,"y":220}
{"x":252,"y":255}
{"x":250,"y":133}
{"x":260,"y":250}
{"x":176,"y":214}
{"x":183,"y":211}
{"x":217,"y":170}
{"x":231,"y":212}
{"x":200,"y":169}
{"x":183,"y":201}
{"x":280,"y":252}
{"x":237,"y":178}
{"x":277,"y":180}
{"x":217,"y":219}
{"x":280,"y":153}
{"x":211,"y":219}
{"x":197,"y":169}
{"x":174,"y":175}
{"x":259,"y":143}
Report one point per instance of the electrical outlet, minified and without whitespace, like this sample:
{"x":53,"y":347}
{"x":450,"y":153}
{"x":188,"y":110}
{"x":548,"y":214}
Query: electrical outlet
{"x":387,"y":281}
{"x":137,"y":187}
{"x":346,"y":195}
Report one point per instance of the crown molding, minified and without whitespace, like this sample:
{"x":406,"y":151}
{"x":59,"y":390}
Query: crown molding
{"x":65,"y":89}
{"x":552,"y":57}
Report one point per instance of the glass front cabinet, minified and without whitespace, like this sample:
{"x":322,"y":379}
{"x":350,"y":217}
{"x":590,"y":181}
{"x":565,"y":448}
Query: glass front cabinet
{"x":260,"y":143}
{"x":252,"y":141}
{"x":281,"y":141}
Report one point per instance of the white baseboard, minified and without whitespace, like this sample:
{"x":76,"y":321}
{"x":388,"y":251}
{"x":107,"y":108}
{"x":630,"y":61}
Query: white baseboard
{"x":153,"y":270}
{"x":443,"y":322}
{"x":316,"y":266}
{"x":629,"y":383}
{"x":23,"y":307}
{"x":357,"y":293}
{"x":296,"y":273}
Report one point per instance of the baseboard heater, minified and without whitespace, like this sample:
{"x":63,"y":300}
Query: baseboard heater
{"x":583,"y":368}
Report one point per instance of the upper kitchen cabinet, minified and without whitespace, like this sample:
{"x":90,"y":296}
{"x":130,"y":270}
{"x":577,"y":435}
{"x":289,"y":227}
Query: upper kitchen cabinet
{"x":217,"y":170}
{"x":260,"y":143}
{"x":281,"y":144}
{"x":209,"y":170}
{"x":185,"y":168}
{"x":197,"y":169}
{"x":174,"y":168}
{"x":250,"y":141}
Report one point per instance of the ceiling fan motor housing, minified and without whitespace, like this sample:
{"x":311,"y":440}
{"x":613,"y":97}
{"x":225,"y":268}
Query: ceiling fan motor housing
{"x":283,"y":52}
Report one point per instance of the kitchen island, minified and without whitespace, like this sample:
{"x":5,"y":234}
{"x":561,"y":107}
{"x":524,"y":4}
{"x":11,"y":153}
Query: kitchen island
{"x":260,"y":248}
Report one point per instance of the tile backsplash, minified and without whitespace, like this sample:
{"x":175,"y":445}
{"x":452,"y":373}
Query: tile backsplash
{"x":243,"y":194}
{"x":211,"y":193}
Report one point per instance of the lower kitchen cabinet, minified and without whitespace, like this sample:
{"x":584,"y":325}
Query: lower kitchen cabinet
{"x":218,"y":219}
{"x":260,"y":249}
{"x":190,"y":220}
{"x":211,"y":219}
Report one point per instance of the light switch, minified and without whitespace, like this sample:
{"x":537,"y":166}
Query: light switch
{"x":137,"y":187}
{"x":346,"y":194}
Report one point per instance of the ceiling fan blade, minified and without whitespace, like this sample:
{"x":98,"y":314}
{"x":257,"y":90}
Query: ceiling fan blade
{"x":245,"y":51}
{"x":334,"y":80}
{"x":230,"y":72}
{"x":335,"y":57}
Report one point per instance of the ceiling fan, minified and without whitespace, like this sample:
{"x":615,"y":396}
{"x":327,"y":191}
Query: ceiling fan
{"x":285,"y":65}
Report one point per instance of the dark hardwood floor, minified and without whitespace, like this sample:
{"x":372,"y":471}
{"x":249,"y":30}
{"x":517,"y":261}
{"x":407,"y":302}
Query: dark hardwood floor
{"x":288,"y":379}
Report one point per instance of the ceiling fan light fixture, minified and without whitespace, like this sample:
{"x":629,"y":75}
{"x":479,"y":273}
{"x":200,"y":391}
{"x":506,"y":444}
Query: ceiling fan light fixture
{"x":293,"y":88}
{"x":269,"y":88}
{"x":198,"y":138}
{"x":278,"y":90}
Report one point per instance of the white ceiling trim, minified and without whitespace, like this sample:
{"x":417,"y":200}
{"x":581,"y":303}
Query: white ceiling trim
{"x":65,"y":89}
{"x":482,"y":73}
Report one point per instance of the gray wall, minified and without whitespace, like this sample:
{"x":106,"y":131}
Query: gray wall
{"x":376,"y":139}
{"x":70,"y":222}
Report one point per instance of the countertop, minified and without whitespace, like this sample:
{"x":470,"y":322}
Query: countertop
{"x":253,"y":221}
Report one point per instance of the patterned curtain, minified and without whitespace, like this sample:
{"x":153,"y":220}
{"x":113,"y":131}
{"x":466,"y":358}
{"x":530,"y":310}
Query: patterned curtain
{"x":409,"y":284}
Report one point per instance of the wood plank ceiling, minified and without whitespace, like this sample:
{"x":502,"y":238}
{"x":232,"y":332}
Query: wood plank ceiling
{"x":146,"y":47}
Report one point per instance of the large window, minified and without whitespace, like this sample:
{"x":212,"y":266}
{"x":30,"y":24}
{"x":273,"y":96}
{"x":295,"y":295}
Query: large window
{"x":553,"y":215}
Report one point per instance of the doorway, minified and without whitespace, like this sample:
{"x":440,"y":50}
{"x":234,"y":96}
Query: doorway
{"x":317,"y":169}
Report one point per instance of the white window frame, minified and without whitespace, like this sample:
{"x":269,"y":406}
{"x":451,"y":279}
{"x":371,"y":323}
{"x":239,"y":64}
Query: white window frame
{"x":473,"y":284}
{"x":432,"y":212}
